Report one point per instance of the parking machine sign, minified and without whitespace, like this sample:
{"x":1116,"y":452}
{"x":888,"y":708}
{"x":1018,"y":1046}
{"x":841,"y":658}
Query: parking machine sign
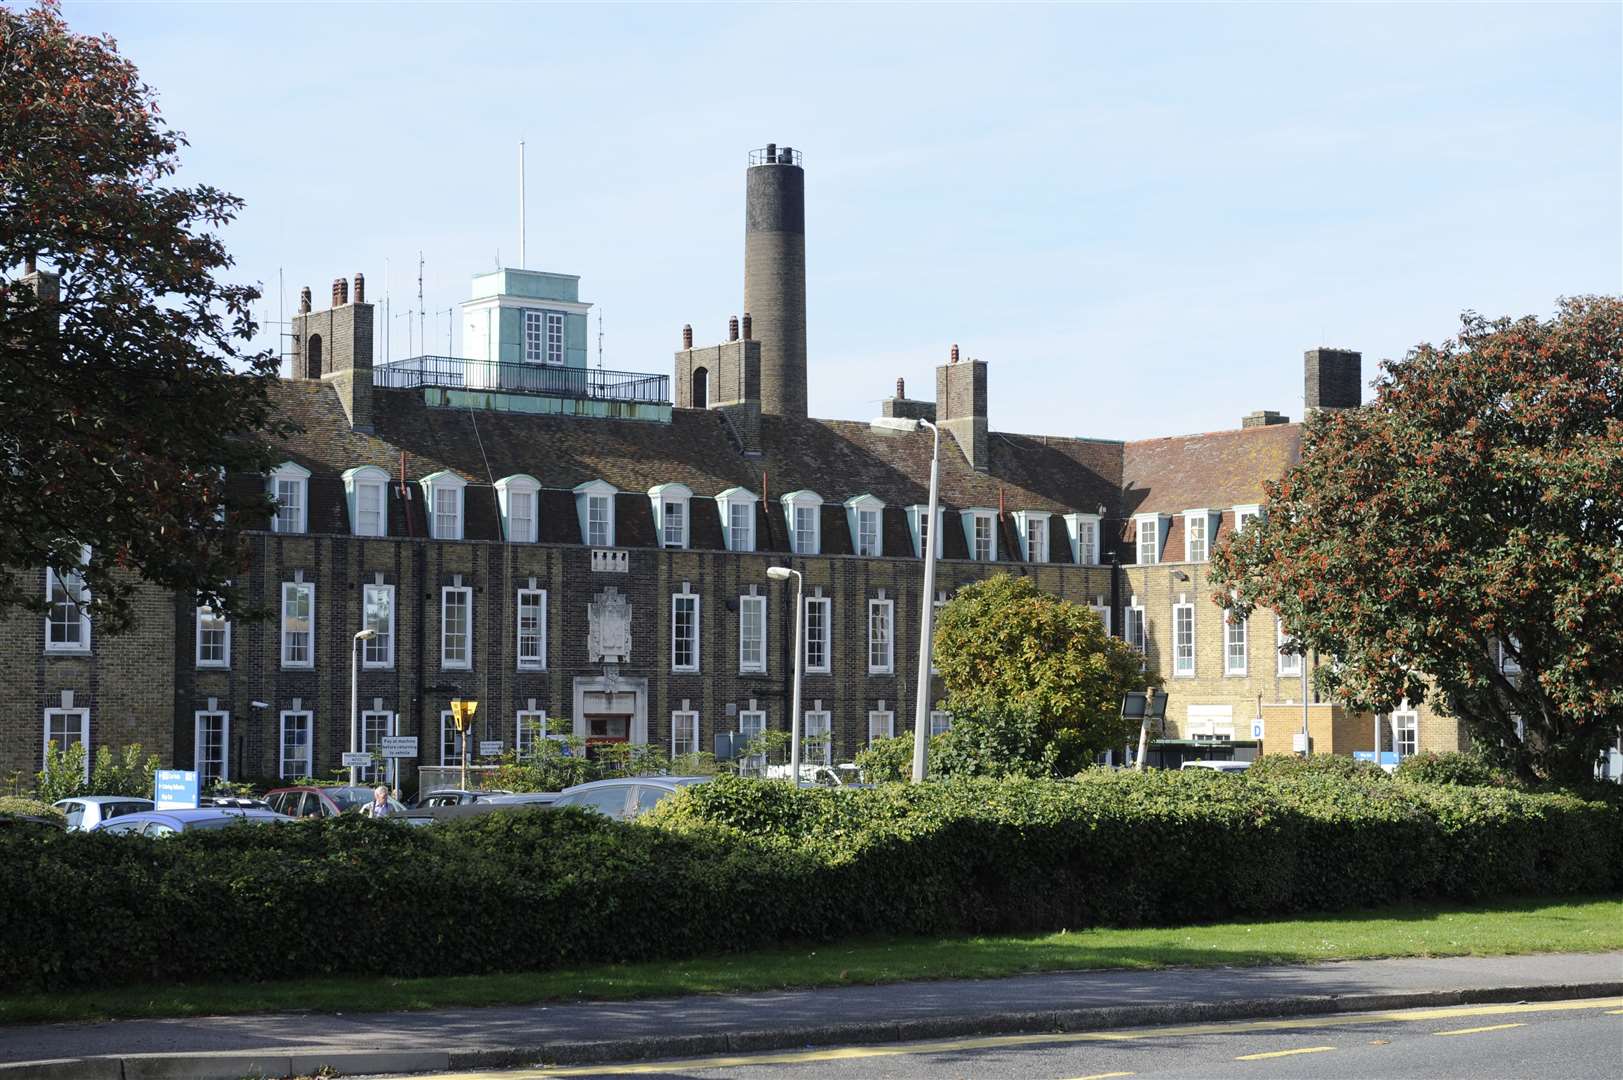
{"x":174,"y":789}
{"x":398,"y":746}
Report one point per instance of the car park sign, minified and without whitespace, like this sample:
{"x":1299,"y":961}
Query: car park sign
{"x":490,"y":748}
{"x":398,"y":746}
{"x":174,"y":789}
{"x":357,"y":758}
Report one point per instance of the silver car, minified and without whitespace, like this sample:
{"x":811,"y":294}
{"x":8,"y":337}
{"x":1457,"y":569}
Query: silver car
{"x":625,"y":797}
{"x":85,"y":812}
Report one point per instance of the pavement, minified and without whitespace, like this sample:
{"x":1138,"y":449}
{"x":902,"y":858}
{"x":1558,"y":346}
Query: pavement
{"x":233,"y":1047}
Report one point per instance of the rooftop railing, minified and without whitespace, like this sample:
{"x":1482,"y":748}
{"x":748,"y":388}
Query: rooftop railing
{"x":550,"y":380}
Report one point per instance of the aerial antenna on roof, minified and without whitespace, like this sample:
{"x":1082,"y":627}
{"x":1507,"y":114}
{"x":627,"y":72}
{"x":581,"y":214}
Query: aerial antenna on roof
{"x":600,"y":339}
{"x":420,"y":310}
{"x":521,"y":204}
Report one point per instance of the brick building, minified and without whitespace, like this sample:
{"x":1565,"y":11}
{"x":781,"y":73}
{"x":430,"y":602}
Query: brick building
{"x":584,"y":550}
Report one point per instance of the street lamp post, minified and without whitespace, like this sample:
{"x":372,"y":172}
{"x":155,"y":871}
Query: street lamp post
{"x":921,"y":719}
{"x":355,"y":693}
{"x":783,"y":573}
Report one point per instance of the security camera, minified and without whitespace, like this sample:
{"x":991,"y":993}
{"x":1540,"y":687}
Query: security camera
{"x":260,"y":704}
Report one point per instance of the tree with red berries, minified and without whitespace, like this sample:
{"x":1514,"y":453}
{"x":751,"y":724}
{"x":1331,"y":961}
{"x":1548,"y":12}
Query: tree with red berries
{"x":126,"y":384}
{"x":1462,"y":537}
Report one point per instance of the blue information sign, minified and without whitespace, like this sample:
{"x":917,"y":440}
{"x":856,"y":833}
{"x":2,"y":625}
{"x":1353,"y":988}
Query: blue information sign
{"x":175,"y":789}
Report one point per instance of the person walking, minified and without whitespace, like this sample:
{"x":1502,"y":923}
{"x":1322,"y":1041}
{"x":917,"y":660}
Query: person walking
{"x":379,"y":806}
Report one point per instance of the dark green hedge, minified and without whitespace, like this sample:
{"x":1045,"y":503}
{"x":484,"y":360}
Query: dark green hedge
{"x":738,"y":864}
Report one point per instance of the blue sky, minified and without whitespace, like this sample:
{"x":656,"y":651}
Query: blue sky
{"x":1139,"y":216}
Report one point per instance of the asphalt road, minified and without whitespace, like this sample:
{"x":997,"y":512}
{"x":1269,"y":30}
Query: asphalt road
{"x":1566,"y":1040}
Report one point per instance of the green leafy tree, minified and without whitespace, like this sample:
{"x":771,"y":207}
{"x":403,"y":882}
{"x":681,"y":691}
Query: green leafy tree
{"x":1472,"y":513}
{"x":1034,"y":683}
{"x":126,"y":384}
{"x":126,"y":773}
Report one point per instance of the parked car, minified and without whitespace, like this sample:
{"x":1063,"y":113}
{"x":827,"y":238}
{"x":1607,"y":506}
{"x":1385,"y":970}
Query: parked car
{"x":241,"y":802}
{"x":305,"y":802}
{"x":85,"y":812}
{"x":625,"y":797}
{"x":1218,"y":766}
{"x":453,"y":797}
{"x":169,"y":822}
{"x":487,"y":803}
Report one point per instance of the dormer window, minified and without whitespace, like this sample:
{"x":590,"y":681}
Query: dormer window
{"x":980,"y":533}
{"x":1198,"y":528}
{"x":594,"y":503}
{"x":1084,"y":538}
{"x":1243,"y":514}
{"x":918,"y":521}
{"x":290,"y":487}
{"x":1152,"y":532}
{"x":443,"y":497}
{"x":366,"y":489}
{"x":803,"y":511}
{"x":671,"y":513}
{"x":864,"y":513}
{"x":517,"y":497}
{"x":1033,"y":528}
{"x":737,"y":507}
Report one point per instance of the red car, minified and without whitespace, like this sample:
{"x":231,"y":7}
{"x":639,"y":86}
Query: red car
{"x":302,"y":802}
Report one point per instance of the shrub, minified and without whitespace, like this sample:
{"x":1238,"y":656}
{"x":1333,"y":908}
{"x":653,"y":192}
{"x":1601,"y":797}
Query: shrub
{"x":738,"y":864}
{"x":1284,"y":766}
{"x":14,"y":805}
{"x":887,"y":761}
{"x":1465,"y":770}
{"x":64,"y":774}
{"x":124,"y":774}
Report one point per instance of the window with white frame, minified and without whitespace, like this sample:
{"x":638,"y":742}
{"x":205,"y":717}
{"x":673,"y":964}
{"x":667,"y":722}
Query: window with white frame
{"x":290,"y":487}
{"x":1290,"y":663}
{"x":377,"y":615}
{"x":600,"y":521}
{"x":298,"y":624}
{"x":1234,"y":644}
{"x":450,"y":739}
{"x":295,"y":759}
{"x":517,"y":498}
{"x":1195,"y":537}
{"x":213,"y":639}
{"x":818,"y":610}
{"x":375,"y":726}
{"x":1149,"y":540}
{"x":1245,"y":514}
{"x":68,"y":727}
{"x":684,"y":732}
{"x":737,"y":507}
{"x":980,"y":531}
{"x":532,"y":629}
{"x":817,"y":736}
{"x":456,"y":626}
{"x":881,"y":725}
{"x":1406,"y":730}
{"x":1033,"y":526}
{"x":1183,"y":639}
{"x":752,"y":634}
{"x":366,"y":489}
{"x":443,"y":493}
{"x":211,"y":754}
{"x":1103,"y":611}
{"x":535,"y":338}
{"x":671,"y":518}
{"x":881,"y":643}
{"x":555,"y":337}
{"x":918,"y":520}
{"x":803,"y":511}
{"x":684,"y":632}
{"x":1084,"y":538}
{"x":67,"y":620}
{"x":529,"y":727}
{"x":1137,"y":635}
{"x":751,"y":723}
{"x":940,"y":722}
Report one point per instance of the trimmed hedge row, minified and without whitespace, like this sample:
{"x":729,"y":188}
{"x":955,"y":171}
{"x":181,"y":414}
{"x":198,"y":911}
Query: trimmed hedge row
{"x":738,"y":864}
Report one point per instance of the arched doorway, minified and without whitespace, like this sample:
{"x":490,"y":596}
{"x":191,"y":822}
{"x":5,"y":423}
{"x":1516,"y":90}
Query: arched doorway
{"x":312,"y":354}
{"x":701,"y":388}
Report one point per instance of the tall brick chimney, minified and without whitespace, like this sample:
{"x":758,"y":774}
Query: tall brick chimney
{"x":960,"y":406}
{"x":1333,"y":379}
{"x":335,"y":346}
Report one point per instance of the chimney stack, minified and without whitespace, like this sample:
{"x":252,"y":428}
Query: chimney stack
{"x":901,"y":388}
{"x":360,"y":287}
{"x":337,"y":291}
{"x":304,"y":300}
{"x":687,"y":335}
{"x":732,"y":328}
{"x":1332,"y":379}
{"x":775,"y":276}
{"x":960,"y":403}
{"x":746,"y":326}
{"x":954,"y":359}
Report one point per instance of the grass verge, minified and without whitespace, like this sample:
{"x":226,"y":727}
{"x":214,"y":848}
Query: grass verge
{"x":1495,"y":929}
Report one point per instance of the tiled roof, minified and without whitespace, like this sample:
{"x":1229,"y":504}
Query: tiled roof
{"x":1216,"y":470}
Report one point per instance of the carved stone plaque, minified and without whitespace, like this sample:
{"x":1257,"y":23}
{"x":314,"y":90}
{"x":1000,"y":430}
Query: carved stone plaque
{"x":608,"y":634}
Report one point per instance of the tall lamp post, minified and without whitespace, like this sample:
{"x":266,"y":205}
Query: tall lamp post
{"x":355,"y":693}
{"x":921,"y":719}
{"x":783,"y":573}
